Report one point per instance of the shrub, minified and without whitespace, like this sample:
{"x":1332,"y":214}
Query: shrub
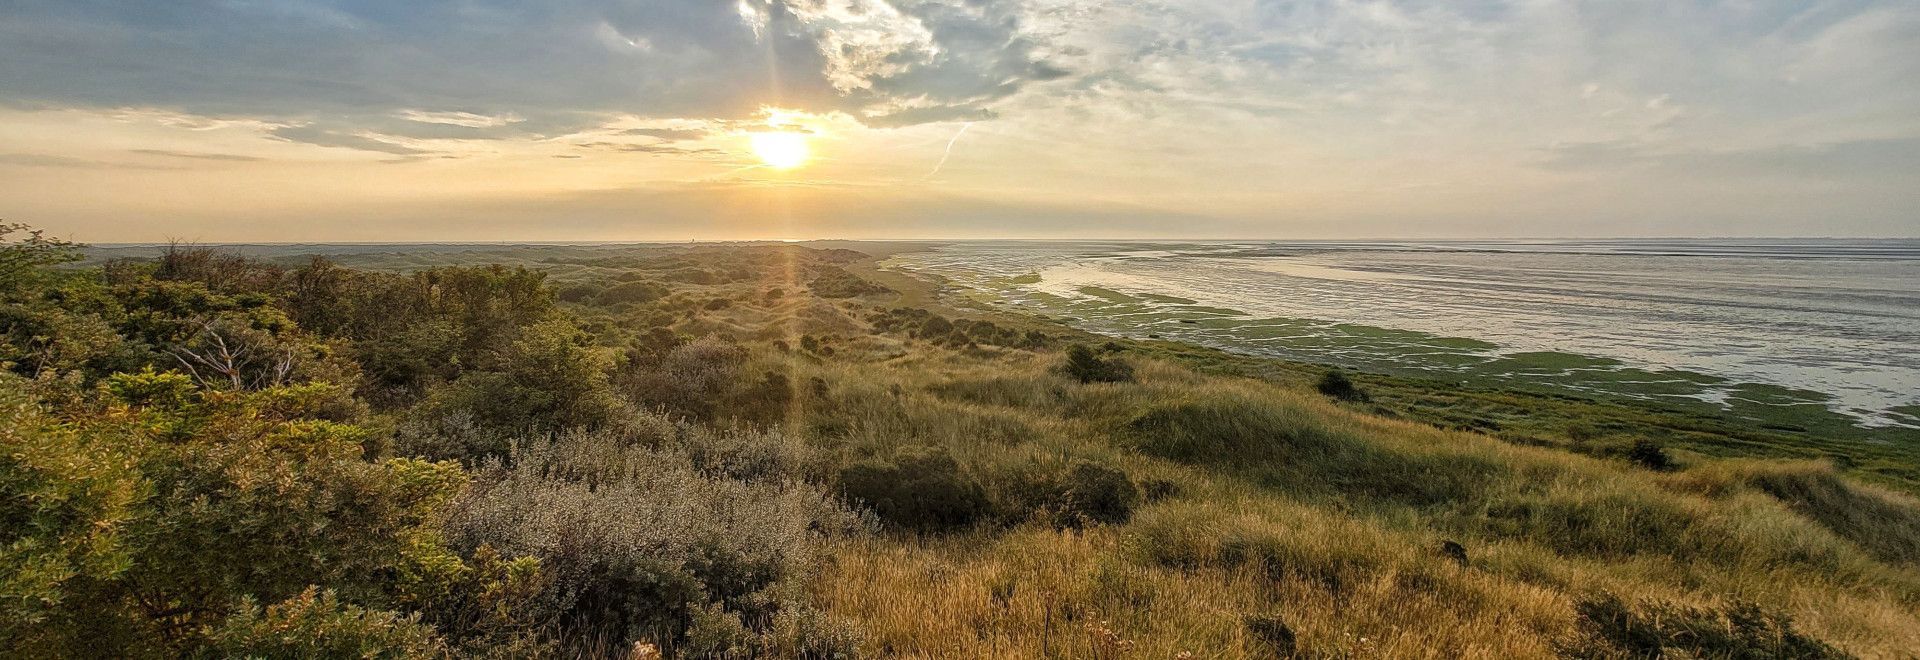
{"x":1609,"y":628}
{"x":694,"y":379}
{"x":1080,"y":494}
{"x":550,"y":379}
{"x":1650,"y":455}
{"x":1099,"y":493}
{"x":1087,"y":367}
{"x":579,"y":293}
{"x":632,"y":292}
{"x":241,"y":494}
{"x":920,"y":489}
{"x":634,"y":540}
{"x":1335,"y":384}
{"x":317,"y":624}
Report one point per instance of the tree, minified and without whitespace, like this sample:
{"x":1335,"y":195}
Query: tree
{"x":25,"y":252}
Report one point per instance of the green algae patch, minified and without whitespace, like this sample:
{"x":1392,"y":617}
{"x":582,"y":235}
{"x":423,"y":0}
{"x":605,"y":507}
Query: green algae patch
{"x":1107,"y":294}
{"x":1172,"y":300}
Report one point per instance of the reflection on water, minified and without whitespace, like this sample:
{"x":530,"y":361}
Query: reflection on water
{"x":1838,"y":317}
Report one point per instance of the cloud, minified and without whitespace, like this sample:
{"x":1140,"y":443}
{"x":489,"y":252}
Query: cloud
{"x":668,"y":134}
{"x":197,"y":155}
{"x":323,"y":137}
{"x":1852,"y":159}
{"x":46,"y":160}
{"x":488,"y":65}
{"x":656,"y":148}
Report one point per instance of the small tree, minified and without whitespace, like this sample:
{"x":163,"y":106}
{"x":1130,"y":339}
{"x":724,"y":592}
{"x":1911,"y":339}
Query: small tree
{"x":25,"y":250}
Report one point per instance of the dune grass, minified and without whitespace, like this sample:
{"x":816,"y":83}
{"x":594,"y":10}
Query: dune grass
{"x":1295,"y":508}
{"x":757,"y":452}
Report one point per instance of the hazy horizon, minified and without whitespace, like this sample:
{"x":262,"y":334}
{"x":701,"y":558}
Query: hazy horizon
{"x":597,"y":120}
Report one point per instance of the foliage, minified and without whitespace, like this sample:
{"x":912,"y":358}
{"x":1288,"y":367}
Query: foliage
{"x":707,"y":379}
{"x":917,"y":488}
{"x":316,"y":624}
{"x":244,"y":494}
{"x":1088,"y":367}
{"x":1335,"y":384}
{"x":631,"y":292}
{"x":634,"y":540}
{"x":63,"y":518}
{"x":627,"y":489}
{"x":1649,"y":454}
{"x":835,"y":282}
{"x":26,"y":252}
{"x":1076,"y":495}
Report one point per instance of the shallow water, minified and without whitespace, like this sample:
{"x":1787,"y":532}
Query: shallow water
{"x":1833,"y":323}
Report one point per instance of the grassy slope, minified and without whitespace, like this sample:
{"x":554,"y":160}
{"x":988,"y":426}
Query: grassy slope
{"x":1279,"y":503}
{"x":1328,"y":516}
{"x":1583,"y":424}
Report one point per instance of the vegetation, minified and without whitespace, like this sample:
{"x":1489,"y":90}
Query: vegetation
{"x":1088,"y":367}
{"x":1336,"y":384}
{"x":779,"y":451}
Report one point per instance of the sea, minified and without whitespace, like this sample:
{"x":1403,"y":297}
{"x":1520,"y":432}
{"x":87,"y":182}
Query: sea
{"x":1832,"y":324}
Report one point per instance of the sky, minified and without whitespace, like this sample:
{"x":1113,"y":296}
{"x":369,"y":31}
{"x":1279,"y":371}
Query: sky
{"x":587,"y":120}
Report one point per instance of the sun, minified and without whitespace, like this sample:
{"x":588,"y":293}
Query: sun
{"x":781,"y":150}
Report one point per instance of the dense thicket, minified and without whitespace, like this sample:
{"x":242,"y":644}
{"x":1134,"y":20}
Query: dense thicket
{"x":207,"y":454}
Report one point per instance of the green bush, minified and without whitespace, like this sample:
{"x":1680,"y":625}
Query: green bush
{"x":1650,"y":455}
{"x":1088,"y":367}
{"x":317,"y":624}
{"x":238,"y":495}
{"x":1335,"y":384}
{"x":919,"y":488}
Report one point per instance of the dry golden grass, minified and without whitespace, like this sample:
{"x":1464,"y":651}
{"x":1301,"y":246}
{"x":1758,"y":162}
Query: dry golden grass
{"x":1332,"y":524}
{"x":1292,"y":506}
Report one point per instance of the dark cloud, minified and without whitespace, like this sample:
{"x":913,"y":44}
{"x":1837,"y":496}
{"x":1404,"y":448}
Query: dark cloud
{"x":562,"y":65}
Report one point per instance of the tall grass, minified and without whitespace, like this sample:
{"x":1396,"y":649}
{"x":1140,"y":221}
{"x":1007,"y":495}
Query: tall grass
{"x":1293,"y":508}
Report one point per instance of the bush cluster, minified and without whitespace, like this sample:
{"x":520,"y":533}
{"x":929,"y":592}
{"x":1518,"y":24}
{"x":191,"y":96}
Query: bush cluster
{"x":638,"y":542}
